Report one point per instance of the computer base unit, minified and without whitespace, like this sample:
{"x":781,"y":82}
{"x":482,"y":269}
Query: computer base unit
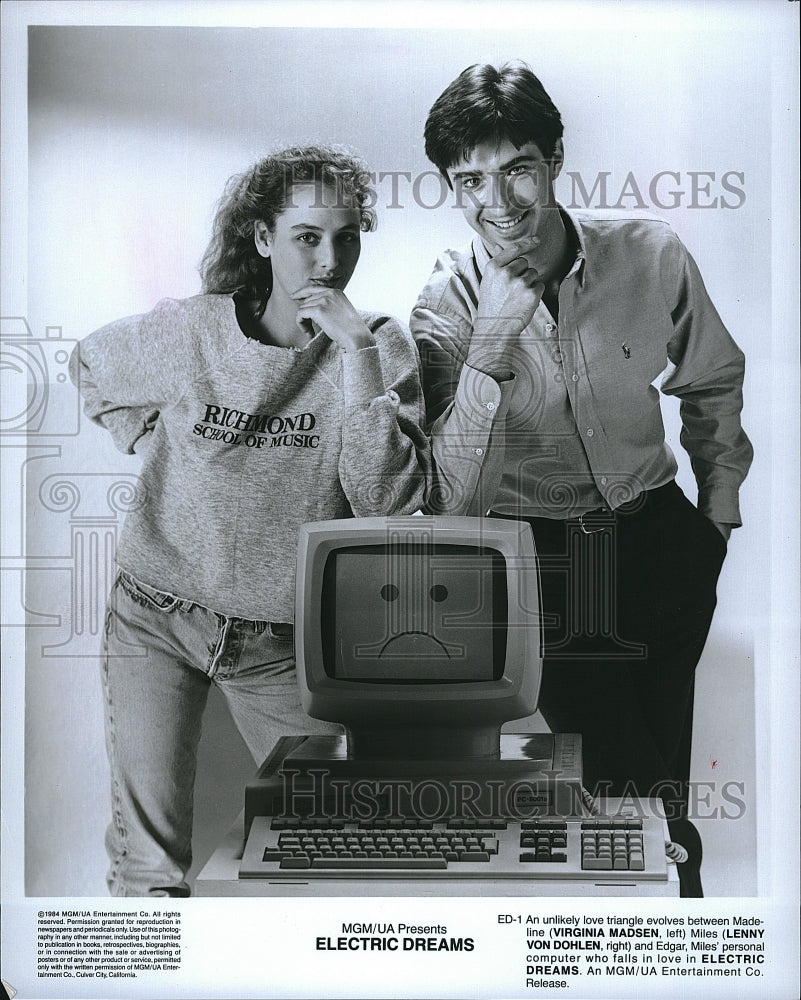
{"x":318,"y":822}
{"x":314,"y":778}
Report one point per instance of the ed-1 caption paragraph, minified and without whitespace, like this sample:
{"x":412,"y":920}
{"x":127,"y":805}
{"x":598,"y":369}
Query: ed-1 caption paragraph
{"x":561,"y":950}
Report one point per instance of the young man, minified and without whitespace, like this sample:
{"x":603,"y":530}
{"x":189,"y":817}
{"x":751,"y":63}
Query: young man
{"x":541,"y":344}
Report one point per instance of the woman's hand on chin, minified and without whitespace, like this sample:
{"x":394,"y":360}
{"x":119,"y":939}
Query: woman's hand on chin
{"x":334,"y":314}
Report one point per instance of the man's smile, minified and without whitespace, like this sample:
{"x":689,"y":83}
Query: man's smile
{"x":506,"y":224}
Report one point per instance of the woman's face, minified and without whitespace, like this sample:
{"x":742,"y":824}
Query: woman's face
{"x":316,"y":240}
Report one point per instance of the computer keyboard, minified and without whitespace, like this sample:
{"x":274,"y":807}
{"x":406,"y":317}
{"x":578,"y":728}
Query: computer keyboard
{"x":599,"y":848}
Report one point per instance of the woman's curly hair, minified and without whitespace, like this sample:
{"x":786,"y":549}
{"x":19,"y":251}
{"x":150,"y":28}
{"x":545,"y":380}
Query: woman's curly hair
{"x":231,"y":260}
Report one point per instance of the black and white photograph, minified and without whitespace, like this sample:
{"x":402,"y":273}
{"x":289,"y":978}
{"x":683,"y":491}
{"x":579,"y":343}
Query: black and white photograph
{"x":400,"y":491}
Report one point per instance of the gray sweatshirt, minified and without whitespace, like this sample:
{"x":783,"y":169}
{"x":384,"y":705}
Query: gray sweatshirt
{"x":245,"y":442}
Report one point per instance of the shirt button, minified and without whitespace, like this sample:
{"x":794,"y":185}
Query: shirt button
{"x":479,"y":451}
{"x":603,"y":480}
{"x":557,"y":356}
{"x":574,"y":377}
{"x":549,"y":328}
{"x":490,"y":406}
{"x":590,"y":432}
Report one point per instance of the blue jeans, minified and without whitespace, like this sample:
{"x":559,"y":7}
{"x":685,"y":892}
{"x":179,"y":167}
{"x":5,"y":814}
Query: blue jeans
{"x":160,"y":656}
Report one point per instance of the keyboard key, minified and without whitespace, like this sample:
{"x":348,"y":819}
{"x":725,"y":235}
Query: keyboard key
{"x":273,"y":855}
{"x":381,"y":864}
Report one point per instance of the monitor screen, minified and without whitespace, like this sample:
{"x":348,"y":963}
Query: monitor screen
{"x":413,"y":613}
{"x":419,"y":634}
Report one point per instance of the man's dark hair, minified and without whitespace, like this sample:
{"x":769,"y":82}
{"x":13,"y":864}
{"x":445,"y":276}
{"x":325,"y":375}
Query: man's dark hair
{"x":485,"y":104}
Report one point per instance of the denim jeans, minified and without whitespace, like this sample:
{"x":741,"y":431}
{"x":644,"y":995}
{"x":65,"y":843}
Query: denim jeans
{"x":160,"y":656}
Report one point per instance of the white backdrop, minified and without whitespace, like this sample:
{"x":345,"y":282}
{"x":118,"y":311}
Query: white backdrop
{"x":132,"y":132}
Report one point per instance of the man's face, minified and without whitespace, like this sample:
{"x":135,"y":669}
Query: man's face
{"x":506,"y":193}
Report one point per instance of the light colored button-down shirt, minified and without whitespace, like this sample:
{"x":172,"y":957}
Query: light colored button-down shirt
{"x":578,"y":425}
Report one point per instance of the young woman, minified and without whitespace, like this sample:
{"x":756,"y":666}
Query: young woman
{"x":265,"y":402}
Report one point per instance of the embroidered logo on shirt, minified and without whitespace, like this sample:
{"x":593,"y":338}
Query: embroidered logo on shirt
{"x":626,"y":350}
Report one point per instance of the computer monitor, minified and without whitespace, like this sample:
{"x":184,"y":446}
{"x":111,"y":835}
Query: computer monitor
{"x":420,"y":634}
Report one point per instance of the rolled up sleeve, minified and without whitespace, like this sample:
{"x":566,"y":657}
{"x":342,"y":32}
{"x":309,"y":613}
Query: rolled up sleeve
{"x":465,"y":414}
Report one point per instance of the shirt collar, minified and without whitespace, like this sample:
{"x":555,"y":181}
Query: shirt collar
{"x":579,"y":264}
